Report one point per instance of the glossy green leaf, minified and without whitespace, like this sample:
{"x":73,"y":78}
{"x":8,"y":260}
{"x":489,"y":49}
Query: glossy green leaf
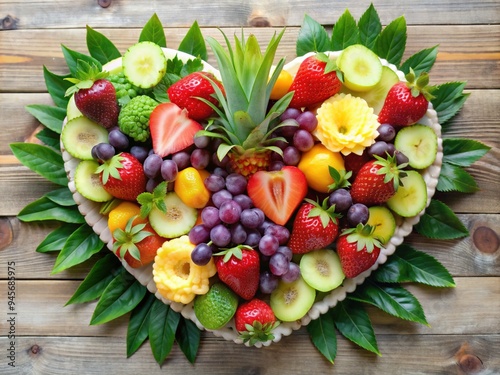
{"x":312,"y":37}
{"x":42,"y":160}
{"x":421,"y":61}
{"x":163,"y":324}
{"x":72,"y":58}
{"x":391,"y":43}
{"x":354,"y":324}
{"x":57,"y":86}
{"x":138,"y":325}
{"x":44,"y":209}
{"x":440,"y":222}
{"x":410,"y":265}
{"x":463,"y":152}
{"x":100,"y":47}
{"x":323,"y":336}
{"x":62,"y":197}
{"x":121,"y":296}
{"x":448,"y":100}
{"x":391,"y":298}
{"x":369,"y":27}
{"x":455,"y":178}
{"x":56,"y":239}
{"x":50,"y":116}
{"x":345,"y":32}
{"x":97,"y":280}
{"x":194,"y":42}
{"x":79,"y":247}
{"x":188,"y":337}
{"x":153,"y":32}
{"x":50,"y":138}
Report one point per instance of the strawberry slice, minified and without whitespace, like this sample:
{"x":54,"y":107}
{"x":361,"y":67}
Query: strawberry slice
{"x":171,"y":129}
{"x":278,"y":193}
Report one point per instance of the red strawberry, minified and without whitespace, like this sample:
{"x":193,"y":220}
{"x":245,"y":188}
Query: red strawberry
{"x":123,"y":176}
{"x":316,"y":80}
{"x":137,"y":244}
{"x":357,"y":249}
{"x":187,"y":90}
{"x":406,"y":102}
{"x":239,"y":269}
{"x":314,"y":227}
{"x":377,"y":181}
{"x":171,"y":129}
{"x":278,"y":193}
{"x":94,"y":96}
{"x":255,"y":320}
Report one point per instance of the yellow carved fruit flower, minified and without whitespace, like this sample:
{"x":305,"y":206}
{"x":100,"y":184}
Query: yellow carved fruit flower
{"x":346,"y":124}
{"x":176,"y":276}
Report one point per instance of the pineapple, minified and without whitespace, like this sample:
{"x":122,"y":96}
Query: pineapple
{"x":244,"y":122}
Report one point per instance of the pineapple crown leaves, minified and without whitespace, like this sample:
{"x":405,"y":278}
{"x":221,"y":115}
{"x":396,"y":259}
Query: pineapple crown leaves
{"x":86,"y":75}
{"x":419,"y":85}
{"x":126,"y":239}
{"x":110,"y":168}
{"x":258,"y":332}
{"x":391,"y":170}
{"x":340,"y":178}
{"x":236,"y":251}
{"x":149,"y":200}
{"x":324,"y":211}
{"x":362,"y":235}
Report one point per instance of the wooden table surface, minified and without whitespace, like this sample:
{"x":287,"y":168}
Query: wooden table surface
{"x":464,"y":332}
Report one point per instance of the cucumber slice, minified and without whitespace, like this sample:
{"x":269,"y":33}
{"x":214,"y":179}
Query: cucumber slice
{"x":375,"y":97}
{"x":144,"y":64}
{"x":361,"y":67}
{"x":411,"y":197}
{"x":80,"y":134}
{"x":178,"y":219}
{"x":88,"y":182}
{"x":72,"y":110}
{"x":382,"y":219}
{"x":291,"y":301}
{"x":321,"y":269}
{"x":419,"y":143}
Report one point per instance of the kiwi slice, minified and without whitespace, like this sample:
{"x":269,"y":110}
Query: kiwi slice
{"x":360,"y":66}
{"x":382,"y":219}
{"x":80,"y":134}
{"x":291,"y":301}
{"x":144,"y":64}
{"x":321,"y":269}
{"x":419,"y":143}
{"x":88,"y":183}
{"x":176,"y":221}
{"x":411,"y":197}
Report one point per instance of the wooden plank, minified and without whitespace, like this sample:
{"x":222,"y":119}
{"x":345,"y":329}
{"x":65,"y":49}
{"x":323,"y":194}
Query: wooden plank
{"x":461,"y":48}
{"x":35,"y":14}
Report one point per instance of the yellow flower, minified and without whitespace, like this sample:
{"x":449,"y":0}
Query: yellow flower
{"x":346,"y":124}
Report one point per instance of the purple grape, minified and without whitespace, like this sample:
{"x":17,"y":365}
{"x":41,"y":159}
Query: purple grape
{"x":200,"y":158}
{"x":103,"y":151}
{"x":253,"y":237}
{"x":201,"y":254}
{"x":252,"y":217}
{"x":118,"y":140}
{"x":391,"y":149}
{"x":303,"y":140}
{"x":229,"y":212}
{"x":342,"y":200}
{"x":268,"y":245}
{"x":379,"y":148}
{"x":220,"y":197}
{"x":278,"y":264}
{"x":220,"y":235}
{"x":218,"y":171}
{"x":169,"y":170}
{"x":307,"y":120}
{"x":386,"y":132}
{"x":357,"y":213}
{"x":210,"y":216}
{"x":151,"y":183}
{"x":291,"y":155}
{"x":286,"y":251}
{"x":401,"y":158}
{"x":292,"y":274}
{"x":244,"y":201}
{"x":152,"y":165}
{"x":201,"y":141}
{"x":236,"y":183}
{"x":290,"y":113}
{"x":198,"y":234}
{"x":280,"y":232}
{"x":238,"y":234}
{"x":288,"y":127}
{"x":276,"y":166}
{"x":220,"y":163}
{"x":182,"y":159}
{"x":214,"y":183}
{"x":267,"y":282}
{"x":139,"y":152}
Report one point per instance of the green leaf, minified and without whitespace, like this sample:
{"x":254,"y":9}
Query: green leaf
{"x":322,"y":334}
{"x":100,"y":47}
{"x":312,"y":37}
{"x":391,"y":43}
{"x":50,"y":138}
{"x":98,"y":278}
{"x":421,"y":61}
{"x":448,"y":100}
{"x":121,"y":295}
{"x":56,"y":239}
{"x":194,"y":43}
{"x":57,"y":86}
{"x":43,"y":160}
{"x":79,"y":247}
{"x":45,"y":209}
{"x":463,"y":152}
{"x":440,"y":222}
{"x":138,"y":325}
{"x":410,"y":265}
{"x":163,"y":324}
{"x":72,"y":58}
{"x":153,"y":32}
{"x":49,"y":116}
{"x":354,"y":324}
{"x":62,"y":197}
{"x":393,"y":299}
{"x":454,"y":178}
{"x":188,"y":337}
{"x":345,"y":32}
{"x":369,"y":27}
